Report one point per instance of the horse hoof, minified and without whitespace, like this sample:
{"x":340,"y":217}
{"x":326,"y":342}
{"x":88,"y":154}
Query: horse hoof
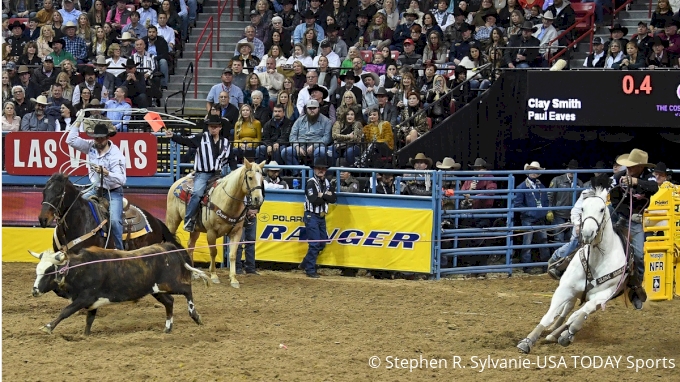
{"x":550,"y":338}
{"x":235,"y":284}
{"x":524,"y":346}
{"x":46,"y":329}
{"x":215,"y":280}
{"x":566,"y":338}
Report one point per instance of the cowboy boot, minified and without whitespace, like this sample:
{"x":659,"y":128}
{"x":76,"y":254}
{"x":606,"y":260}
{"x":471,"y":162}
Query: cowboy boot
{"x":637,"y":294}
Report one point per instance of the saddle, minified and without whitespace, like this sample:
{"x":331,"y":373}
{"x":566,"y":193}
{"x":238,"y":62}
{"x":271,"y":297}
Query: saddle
{"x":185,"y":189}
{"x":135,"y":223}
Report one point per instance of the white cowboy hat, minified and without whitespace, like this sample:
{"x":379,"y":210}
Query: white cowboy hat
{"x":548,"y":15}
{"x":101,"y":60}
{"x":67,"y":25}
{"x":41,"y":100}
{"x":636,"y":157}
{"x":274,"y":167}
{"x":448,"y":164}
{"x":375,"y":77}
{"x":533,"y":166}
{"x":127,"y":36}
{"x":422,"y":158}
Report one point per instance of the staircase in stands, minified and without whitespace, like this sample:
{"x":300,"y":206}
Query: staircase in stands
{"x":231,"y":32}
{"x":638,"y":11}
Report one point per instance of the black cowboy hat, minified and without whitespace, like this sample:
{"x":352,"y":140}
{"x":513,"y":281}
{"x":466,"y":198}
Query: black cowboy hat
{"x":366,"y":13}
{"x":342,"y":162}
{"x":671,"y":22}
{"x":322,"y":89}
{"x":100,"y":130}
{"x":601,"y":165}
{"x":350,"y":74}
{"x":213,"y":120}
{"x":130,"y":63}
{"x":464,"y":27}
{"x":308,"y":14}
{"x":618,"y":27}
{"x":528,"y":25}
{"x":17,"y":24}
{"x":333,"y":28}
{"x":479,"y":163}
{"x":661,"y":167}
{"x":320,"y":162}
{"x":658,"y":41}
{"x":87,"y":70}
{"x":58,"y":40}
{"x":492,"y":13}
{"x":572,"y":165}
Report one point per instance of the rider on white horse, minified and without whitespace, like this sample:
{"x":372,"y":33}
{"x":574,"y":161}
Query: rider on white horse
{"x":635,"y":181}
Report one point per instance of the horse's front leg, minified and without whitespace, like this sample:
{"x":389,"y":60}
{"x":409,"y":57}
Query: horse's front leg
{"x":212,"y":240}
{"x":234,"y":243}
{"x":578,"y":318}
{"x":191,"y":244}
{"x":561,"y":298}
{"x":558,"y":326}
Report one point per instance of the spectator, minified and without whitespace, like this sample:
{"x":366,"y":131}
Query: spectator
{"x":461,"y":92}
{"x":248,"y":61}
{"x":158,"y":48}
{"x":259,"y":24}
{"x":614,"y":55}
{"x":513,"y":29}
{"x":173,"y":20}
{"x":276,"y":54}
{"x":371,"y":81}
{"x":407,"y":86}
{"x":30,"y":87}
{"x":6,"y":87}
{"x":564,"y":15}
{"x":44,"y":15}
{"x":326,"y":52}
{"x":662,"y":14}
{"x":119,"y":16}
{"x":670,"y":34}
{"x":291,"y":18}
{"x":17,"y":41}
{"x":285,"y":99}
{"x":659,"y":57}
{"x":437,"y":100}
{"x":135,"y":26}
{"x":346,"y":134}
{"x":278,"y":35}
{"x":97,"y":14}
{"x":403,"y":31}
{"x":310,"y":43}
{"x":271,"y":80}
{"x":617,"y":32}
{"x":289,"y":86}
{"x":545,"y":34}
{"x":349,"y":80}
{"x":327,"y":77}
{"x":147,"y":15}
{"x":483,"y":32}
{"x":339,"y":13}
{"x":523,"y":55}
{"x":85,"y":99}
{"x":310,"y":22}
{"x":356,"y":34}
{"x":480,"y":16}
{"x":99,"y":44}
{"x":84,"y":30}
{"x":416,"y":186}
{"x":413,"y":122}
{"x":597,"y":58}
{"x":534,"y":14}
{"x":235,"y":93}
{"x":348,"y":183}
{"x":67,"y":118}
{"x":239,"y":76}
{"x":534,"y":199}
{"x":435,"y":51}
{"x":310,"y":135}
{"x":10,"y":121}
{"x":165,"y":31}
{"x":73,"y":44}
{"x":272,"y":181}
{"x":378,"y":134}
{"x":452,"y":33}
{"x":33,"y":31}
{"x":46,"y":75}
{"x":67,"y":88}
{"x":69,"y":13}
{"x":426,"y":82}
{"x":632,"y":60}
{"x":388,"y":112}
{"x":385,"y":184}
{"x":304,"y":95}
{"x":229,"y":113}
{"x":30,"y":56}
{"x":97,"y":90}
{"x":419,"y":39}
{"x":44,"y":42}
{"x":38,"y":120}
{"x":642,"y":39}
{"x":662,"y":174}
{"x":57,"y":98}
{"x":57,"y":22}
{"x":261,"y":110}
{"x":22,"y":106}
{"x":275,"y":135}
{"x":563,"y":199}
{"x":258,"y":45}
{"x":116,"y":109}
{"x":116,"y":62}
{"x":134,"y":82}
{"x":247,"y":132}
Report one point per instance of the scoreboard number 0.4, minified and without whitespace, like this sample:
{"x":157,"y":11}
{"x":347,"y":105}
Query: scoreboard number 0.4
{"x":628,"y":85}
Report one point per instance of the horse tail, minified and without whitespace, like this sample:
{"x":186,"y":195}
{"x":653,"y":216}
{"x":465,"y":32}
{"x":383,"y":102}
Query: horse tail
{"x":169,"y":236}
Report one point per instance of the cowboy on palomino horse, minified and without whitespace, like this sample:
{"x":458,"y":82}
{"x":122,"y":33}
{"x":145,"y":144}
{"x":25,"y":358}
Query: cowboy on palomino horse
{"x":225,"y":202}
{"x":635,"y":180}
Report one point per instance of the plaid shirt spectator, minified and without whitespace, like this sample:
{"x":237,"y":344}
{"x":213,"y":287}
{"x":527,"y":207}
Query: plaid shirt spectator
{"x":484,"y":32}
{"x":76,"y":46}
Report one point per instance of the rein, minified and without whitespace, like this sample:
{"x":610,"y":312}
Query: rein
{"x":246,"y":204}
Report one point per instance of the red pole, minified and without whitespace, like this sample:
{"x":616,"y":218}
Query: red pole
{"x":219,"y":21}
{"x":211,"y":47}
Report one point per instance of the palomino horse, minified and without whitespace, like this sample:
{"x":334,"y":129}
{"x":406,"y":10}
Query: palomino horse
{"x":76,"y":223}
{"x":598,"y":275}
{"x":225,"y":217}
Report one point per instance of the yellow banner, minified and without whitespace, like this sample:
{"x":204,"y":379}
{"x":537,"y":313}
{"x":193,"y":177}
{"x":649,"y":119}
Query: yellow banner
{"x":396,"y":239}
{"x":15,"y":247}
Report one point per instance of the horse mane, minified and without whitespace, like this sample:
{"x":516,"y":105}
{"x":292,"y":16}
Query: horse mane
{"x":601,"y":182}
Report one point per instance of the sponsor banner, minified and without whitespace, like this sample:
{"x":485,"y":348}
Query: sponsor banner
{"x":44,"y":153}
{"x":368,"y":237}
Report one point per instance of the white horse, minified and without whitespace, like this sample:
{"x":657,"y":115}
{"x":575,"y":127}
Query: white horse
{"x":225,"y":217}
{"x":596,"y":274}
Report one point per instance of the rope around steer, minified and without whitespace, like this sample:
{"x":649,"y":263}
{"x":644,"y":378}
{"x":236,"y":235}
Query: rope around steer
{"x":67,"y":268}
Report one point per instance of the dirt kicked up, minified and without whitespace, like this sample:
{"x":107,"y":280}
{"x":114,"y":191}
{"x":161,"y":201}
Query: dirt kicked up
{"x":282,"y":326}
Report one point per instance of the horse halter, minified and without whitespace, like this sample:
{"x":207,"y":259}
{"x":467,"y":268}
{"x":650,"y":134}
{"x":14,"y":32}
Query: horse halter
{"x":57,"y":209}
{"x":250,"y":189}
{"x":600,"y":223}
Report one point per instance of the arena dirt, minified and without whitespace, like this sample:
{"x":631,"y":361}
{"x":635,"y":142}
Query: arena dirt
{"x":282,"y":326}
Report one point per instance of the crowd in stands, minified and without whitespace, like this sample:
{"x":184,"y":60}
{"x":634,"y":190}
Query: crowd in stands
{"x":86,"y":50}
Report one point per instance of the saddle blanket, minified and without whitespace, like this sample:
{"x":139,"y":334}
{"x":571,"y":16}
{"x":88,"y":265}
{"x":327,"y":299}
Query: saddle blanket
{"x":184,"y":190}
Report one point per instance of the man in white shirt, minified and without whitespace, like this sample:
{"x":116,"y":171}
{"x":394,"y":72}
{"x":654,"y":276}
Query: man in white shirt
{"x":165,"y":31}
{"x":147,"y":15}
{"x":326,"y":51}
{"x":271,"y":79}
{"x":69,"y":12}
{"x":303,"y":95}
{"x":546,"y":33}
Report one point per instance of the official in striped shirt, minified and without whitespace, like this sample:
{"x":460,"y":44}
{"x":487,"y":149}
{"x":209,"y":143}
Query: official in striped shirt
{"x":318,"y":194}
{"x":211,"y":155}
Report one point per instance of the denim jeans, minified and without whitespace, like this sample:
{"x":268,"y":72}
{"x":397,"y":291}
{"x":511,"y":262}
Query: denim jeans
{"x":163,"y":63}
{"x":637,"y":242}
{"x":290,"y":156}
{"x":349,"y":153}
{"x":541,"y":238}
{"x":315,"y":227}
{"x":599,"y":8}
{"x":567,"y":248}
{"x":200,"y":184}
{"x":562,"y":232}
{"x":193,"y":7}
{"x":482,"y":85}
{"x":249,"y":233}
{"x":522,"y":65}
{"x":115,"y":199}
{"x":261,"y":154}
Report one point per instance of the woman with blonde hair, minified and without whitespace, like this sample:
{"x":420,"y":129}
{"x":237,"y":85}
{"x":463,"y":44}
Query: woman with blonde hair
{"x":276,"y":53}
{"x":10,"y":119}
{"x":289,"y":110}
{"x":64,"y":80}
{"x":438,"y":100}
{"x":378,"y":32}
{"x":69,"y":68}
{"x":99,"y":44}
{"x":379,"y":131}
{"x":84,"y":30}
{"x":349,"y":102}
{"x":116,"y":61}
{"x":407,"y":85}
{"x":289,"y":86}
{"x":262,"y":8}
{"x":57,"y":22}
{"x":391,"y":13}
{"x":247,"y":132}
{"x":300,"y":54}
{"x":6,"y":86}
{"x":44,"y":40}
{"x":347,"y":133}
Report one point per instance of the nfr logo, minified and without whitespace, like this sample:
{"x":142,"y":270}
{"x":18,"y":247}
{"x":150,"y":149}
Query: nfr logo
{"x":656,"y":266}
{"x":353,"y":237}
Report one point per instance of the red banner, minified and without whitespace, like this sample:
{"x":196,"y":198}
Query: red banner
{"x":44,"y":153}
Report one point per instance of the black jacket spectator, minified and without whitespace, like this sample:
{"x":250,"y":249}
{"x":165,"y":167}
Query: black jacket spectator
{"x":162,"y":51}
{"x":262,"y":113}
{"x":44,"y":81}
{"x":530,"y":54}
{"x":276,"y":133}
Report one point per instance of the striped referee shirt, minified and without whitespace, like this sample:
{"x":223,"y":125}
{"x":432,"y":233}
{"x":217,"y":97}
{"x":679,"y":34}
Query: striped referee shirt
{"x":211,"y":156}
{"x":314,"y":203}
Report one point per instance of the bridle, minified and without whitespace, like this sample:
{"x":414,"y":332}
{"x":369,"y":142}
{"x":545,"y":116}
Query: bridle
{"x":600,"y":223}
{"x":249,"y":198}
{"x":61,"y":219}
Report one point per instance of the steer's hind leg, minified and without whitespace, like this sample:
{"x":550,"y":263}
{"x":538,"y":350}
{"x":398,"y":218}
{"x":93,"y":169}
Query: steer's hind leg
{"x":91,"y":314}
{"x":193,"y":313}
{"x":167,"y":302}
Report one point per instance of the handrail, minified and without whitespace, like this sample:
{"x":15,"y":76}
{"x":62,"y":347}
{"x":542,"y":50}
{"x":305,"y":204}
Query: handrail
{"x":221,"y":4}
{"x":589,"y":15}
{"x":649,"y":14}
{"x":210,"y":24}
{"x":183,"y":92}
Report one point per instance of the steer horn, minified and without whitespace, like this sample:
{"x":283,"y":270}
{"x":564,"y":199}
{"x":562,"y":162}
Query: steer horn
{"x":36,"y":255}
